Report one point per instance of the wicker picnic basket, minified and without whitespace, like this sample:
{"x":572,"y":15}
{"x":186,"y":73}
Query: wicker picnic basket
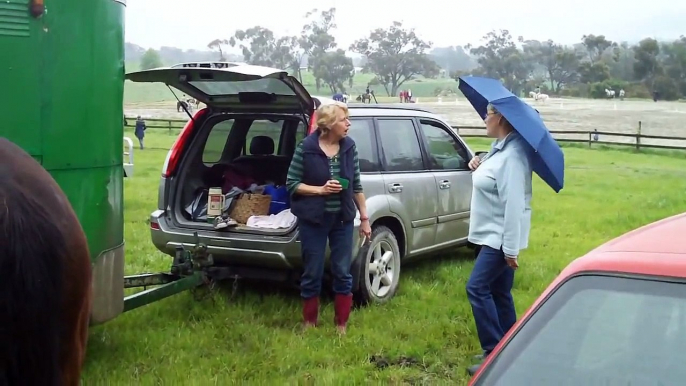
{"x":248,"y":204}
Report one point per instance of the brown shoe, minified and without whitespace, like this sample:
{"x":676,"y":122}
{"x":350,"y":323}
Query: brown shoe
{"x":342,"y":307}
{"x":310,"y":312}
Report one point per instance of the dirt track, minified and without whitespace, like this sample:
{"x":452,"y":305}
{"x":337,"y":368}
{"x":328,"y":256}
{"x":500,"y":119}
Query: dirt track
{"x":661,"y":118}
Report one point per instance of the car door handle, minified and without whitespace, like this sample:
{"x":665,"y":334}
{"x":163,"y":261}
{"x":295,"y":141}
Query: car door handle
{"x":395,"y":188}
{"x":445,"y":184}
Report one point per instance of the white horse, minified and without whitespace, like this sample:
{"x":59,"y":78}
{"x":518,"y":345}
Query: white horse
{"x":538,"y":96}
{"x":610,"y":93}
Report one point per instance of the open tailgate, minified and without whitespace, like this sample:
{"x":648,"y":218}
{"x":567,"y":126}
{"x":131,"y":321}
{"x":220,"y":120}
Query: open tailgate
{"x":239,"y":87}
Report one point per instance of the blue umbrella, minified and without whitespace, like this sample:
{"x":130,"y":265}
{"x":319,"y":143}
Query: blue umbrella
{"x":548,"y":161}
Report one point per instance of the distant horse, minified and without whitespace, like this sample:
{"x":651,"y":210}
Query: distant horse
{"x":610,"y":93}
{"x":180,"y":106}
{"x":45,"y":277}
{"x":364,"y":98}
{"x":538,"y":96}
{"x":193,"y":101}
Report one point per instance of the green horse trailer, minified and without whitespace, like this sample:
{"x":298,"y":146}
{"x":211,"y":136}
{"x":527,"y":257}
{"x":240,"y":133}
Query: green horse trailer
{"x":62,"y":102}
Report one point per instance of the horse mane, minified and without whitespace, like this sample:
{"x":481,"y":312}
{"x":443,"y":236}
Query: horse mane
{"x":31,"y":259}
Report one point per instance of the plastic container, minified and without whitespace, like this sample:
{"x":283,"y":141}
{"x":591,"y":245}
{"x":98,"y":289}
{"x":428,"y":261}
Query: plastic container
{"x":215,"y":204}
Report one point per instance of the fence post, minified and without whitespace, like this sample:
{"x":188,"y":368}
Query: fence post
{"x":169,"y":122}
{"x":638,"y":137}
{"x":590,"y":138}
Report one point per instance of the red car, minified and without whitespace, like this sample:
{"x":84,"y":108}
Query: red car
{"x":616,"y":316}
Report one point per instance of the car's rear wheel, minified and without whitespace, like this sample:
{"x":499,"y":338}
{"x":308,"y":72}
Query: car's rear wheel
{"x":378,"y":267}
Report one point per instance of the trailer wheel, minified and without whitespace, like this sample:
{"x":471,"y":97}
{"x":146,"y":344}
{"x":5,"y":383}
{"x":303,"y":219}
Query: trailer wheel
{"x":378,"y":268}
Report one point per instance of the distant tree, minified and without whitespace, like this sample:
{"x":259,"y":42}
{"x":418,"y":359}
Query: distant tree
{"x":647,"y":66}
{"x":500,"y":58}
{"x":151,"y":59}
{"x":260,"y":47}
{"x":335,"y":70}
{"x":595,"y":46}
{"x":217,"y":44}
{"x":396,"y":55}
{"x":316,"y":38}
{"x":452,"y":58}
{"x":622,"y":65}
{"x":257,"y":45}
{"x":559,"y":63}
{"x":675,"y":62}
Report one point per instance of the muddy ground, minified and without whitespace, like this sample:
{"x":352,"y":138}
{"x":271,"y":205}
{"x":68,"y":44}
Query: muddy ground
{"x":657,"y":118}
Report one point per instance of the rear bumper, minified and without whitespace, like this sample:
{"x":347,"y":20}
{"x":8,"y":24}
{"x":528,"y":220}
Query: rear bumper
{"x":108,"y":285}
{"x":230,"y":249}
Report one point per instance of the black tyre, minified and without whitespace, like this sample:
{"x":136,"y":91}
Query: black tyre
{"x":378,"y":268}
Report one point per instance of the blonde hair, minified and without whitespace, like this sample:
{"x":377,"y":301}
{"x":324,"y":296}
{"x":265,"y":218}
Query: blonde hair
{"x":327,"y":115}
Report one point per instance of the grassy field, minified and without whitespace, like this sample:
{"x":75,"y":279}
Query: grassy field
{"x":254,"y":337}
{"x":135,"y":93}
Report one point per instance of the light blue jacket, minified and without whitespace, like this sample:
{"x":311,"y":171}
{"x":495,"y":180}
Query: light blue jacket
{"x":501,"y":196}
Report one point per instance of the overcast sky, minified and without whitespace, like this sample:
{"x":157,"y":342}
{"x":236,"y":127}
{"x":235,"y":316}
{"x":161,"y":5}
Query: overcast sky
{"x":193,"y":23}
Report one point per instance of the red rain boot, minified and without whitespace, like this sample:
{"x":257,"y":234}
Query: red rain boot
{"x":342,"y":306}
{"x":310,"y":311}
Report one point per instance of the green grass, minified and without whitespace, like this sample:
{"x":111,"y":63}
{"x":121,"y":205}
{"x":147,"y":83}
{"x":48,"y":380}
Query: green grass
{"x":254,"y":337}
{"x":135,"y":93}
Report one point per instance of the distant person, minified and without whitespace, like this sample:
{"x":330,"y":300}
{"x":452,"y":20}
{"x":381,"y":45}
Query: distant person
{"x":409,"y":95}
{"x":140,"y":130}
{"x":596,"y":137}
{"x":367,"y":90}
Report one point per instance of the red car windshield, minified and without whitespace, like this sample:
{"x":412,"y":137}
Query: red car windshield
{"x":599,"y":330}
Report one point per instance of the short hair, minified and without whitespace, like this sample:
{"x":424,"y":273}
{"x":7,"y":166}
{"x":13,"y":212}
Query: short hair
{"x":328,"y":114}
{"x":492,"y":109}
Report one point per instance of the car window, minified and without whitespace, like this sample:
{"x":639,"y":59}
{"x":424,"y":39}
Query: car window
{"x":361,"y":131}
{"x":400,"y":145}
{"x":599,"y":330}
{"x":216,"y":141}
{"x":445,"y":153}
{"x":264,"y":128}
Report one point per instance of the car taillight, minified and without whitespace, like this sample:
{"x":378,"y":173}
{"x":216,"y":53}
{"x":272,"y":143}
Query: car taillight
{"x":313,"y":123}
{"x":177,"y":148}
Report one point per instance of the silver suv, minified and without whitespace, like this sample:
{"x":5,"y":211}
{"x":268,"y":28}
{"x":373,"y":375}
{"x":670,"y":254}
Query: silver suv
{"x":414,"y":174}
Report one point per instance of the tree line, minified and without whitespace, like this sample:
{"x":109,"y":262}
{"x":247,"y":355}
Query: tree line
{"x":397,"y":54}
{"x":585,"y":69}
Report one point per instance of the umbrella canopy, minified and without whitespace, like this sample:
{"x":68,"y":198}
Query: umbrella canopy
{"x":547,"y":157}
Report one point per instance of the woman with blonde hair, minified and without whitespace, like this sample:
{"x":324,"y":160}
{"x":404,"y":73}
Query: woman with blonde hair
{"x":324,"y":183}
{"x":499,"y":225}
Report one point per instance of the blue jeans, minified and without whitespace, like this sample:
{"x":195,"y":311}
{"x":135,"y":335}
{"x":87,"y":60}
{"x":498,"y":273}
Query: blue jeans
{"x":313,"y":238}
{"x":489,"y":292}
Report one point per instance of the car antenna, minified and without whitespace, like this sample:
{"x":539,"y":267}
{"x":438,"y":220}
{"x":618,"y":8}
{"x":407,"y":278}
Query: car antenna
{"x":183,"y":105}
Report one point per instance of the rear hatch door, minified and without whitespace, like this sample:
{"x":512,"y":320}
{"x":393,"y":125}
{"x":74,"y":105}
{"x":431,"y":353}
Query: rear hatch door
{"x":234,"y":88}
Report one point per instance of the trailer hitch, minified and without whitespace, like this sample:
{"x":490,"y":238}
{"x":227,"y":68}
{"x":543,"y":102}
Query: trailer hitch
{"x":189,"y":271}
{"x":186,"y":262}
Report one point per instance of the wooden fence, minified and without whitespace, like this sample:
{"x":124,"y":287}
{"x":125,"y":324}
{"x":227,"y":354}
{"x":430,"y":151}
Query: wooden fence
{"x":636,"y":139}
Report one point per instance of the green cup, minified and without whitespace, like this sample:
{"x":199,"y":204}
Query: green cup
{"x":343,"y":181}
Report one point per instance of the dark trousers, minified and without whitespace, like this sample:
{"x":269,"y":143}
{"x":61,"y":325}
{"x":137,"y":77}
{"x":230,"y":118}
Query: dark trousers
{"x":313,"y":238}
{"x":489,"y":293}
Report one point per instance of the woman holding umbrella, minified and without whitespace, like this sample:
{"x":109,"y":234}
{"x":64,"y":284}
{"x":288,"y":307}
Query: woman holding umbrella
{"x":499,"y":226}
